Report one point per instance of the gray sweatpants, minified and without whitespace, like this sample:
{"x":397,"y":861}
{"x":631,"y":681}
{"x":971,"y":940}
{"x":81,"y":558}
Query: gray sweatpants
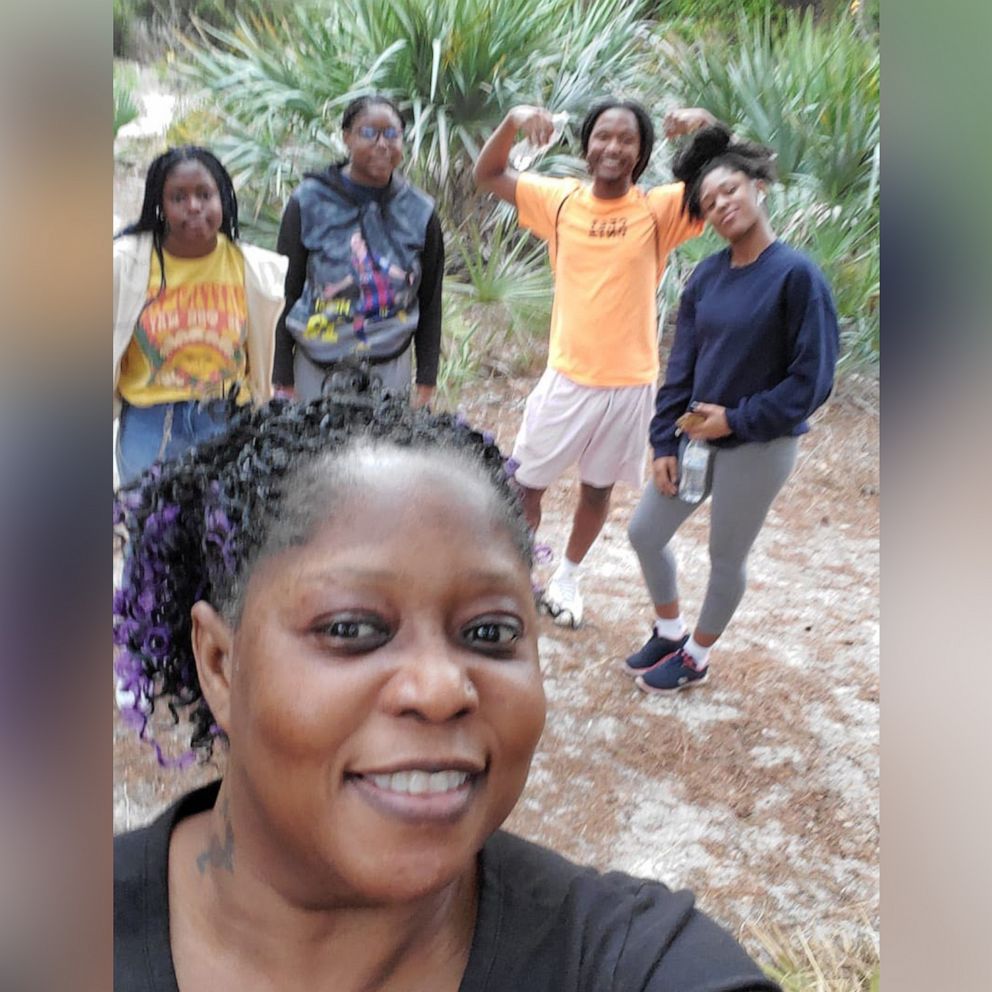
{"x":743,"y":483}
{"x":395,"y":375}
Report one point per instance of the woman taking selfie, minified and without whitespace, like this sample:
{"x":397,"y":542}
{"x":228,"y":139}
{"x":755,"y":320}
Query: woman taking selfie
{"x":337,"y":597}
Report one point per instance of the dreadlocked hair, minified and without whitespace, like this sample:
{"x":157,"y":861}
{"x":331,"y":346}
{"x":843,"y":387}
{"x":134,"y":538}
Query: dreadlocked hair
{"x":152,"y":217}
{"x":644,"y":127}
{"x":196,"y":528}
{"x":713,"y":146}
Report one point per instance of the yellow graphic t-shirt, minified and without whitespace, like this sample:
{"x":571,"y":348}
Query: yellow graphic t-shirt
{"x":189,"y":342}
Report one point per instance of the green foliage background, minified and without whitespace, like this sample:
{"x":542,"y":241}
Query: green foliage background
{"x":125,"y":100}
{"x":272,"y":80}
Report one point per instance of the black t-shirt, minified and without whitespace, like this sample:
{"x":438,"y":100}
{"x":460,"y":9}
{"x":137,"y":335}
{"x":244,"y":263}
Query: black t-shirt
{"x":544,"y":924}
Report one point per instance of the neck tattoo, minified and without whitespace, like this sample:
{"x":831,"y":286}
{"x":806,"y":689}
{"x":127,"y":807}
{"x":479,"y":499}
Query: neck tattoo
{"x":217,"y":854}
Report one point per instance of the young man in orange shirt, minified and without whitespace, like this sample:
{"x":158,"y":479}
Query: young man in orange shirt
{"x":608,"y":243}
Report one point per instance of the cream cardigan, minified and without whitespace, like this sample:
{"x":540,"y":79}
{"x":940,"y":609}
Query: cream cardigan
{"x":265,"y":274}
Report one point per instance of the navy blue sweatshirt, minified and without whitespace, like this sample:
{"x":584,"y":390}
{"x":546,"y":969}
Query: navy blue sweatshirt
{"x":760,"y":340}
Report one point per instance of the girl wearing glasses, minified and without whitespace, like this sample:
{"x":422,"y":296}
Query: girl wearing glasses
{"x":366,"y":260}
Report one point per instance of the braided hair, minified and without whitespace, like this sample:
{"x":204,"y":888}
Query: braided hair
{"x":713,"y":146}
{"x":152,"y":217}
{"x":644,"y":127}
{"x":197,"y":527}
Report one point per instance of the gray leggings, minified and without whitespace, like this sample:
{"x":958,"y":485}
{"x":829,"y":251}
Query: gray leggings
{"x":743,"y":482}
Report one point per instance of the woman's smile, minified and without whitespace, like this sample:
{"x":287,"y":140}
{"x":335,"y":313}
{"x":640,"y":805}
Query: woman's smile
{"x":419,"y":795}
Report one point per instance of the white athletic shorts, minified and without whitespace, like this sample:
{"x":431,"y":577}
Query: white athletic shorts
{"x":604,"y":430}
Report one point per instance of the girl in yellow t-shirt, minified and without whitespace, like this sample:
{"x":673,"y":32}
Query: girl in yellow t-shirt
{"x":187,"y":341}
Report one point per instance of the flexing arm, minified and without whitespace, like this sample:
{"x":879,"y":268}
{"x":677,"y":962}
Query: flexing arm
{"x":492,"y":172}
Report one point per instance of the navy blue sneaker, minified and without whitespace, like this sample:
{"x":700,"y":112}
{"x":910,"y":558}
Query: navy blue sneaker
{"x":656,"y":648}
{"x":677,"y":671}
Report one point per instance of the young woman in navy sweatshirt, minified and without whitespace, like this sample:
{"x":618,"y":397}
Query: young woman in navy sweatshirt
{"x":754,"y":355}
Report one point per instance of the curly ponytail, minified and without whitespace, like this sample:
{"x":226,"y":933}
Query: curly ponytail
{"x":713,"y":146}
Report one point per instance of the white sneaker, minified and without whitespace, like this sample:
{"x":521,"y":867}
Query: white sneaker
{"x":563,"y":601}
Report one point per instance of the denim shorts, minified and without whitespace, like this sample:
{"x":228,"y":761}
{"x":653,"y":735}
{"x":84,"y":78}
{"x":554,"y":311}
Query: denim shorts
{"x":160,"y":433}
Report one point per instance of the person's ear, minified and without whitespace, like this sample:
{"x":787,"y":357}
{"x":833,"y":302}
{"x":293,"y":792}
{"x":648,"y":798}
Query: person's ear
{"x":760,"y":187}
{"x":213,"y":643}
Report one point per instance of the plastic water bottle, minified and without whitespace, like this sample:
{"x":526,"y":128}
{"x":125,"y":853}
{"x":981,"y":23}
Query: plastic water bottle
{"x":523,"y":154}
{"x":692,"y":471}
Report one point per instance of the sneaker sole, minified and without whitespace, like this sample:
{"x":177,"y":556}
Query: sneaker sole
{"x":653,"y":690}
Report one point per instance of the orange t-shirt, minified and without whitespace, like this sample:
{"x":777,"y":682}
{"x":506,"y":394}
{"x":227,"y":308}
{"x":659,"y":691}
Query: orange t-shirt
{"x":608,"y":257}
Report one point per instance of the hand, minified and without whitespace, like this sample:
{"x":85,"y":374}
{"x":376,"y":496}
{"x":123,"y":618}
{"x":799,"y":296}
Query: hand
{"x":422,"y":396}
{"x":713,"y":425}
{"x":666,"y":475}
{"x":284,"y":392}
{"x":535,"y":122}
{"x":685,"y":120}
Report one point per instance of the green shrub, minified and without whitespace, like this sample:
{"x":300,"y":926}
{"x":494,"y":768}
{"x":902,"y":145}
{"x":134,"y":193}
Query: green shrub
{"x":275,"y":87}
{"x":810,"y":91}
{"x":454,"y":66}
{"x":843,"y":240}
{"x":126,"y":107}
{"x":799,"y":964}
{"x":716,"y":14}
{"x":498,"y":296}
{"x":459,"y":360}
{"x":143,"y":28}
{"x":485,"y":339}
{"x":123,"y":14}
{"x":500,"y":264}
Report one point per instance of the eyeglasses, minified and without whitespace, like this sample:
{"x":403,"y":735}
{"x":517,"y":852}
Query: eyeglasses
{"x":368,"y":133}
